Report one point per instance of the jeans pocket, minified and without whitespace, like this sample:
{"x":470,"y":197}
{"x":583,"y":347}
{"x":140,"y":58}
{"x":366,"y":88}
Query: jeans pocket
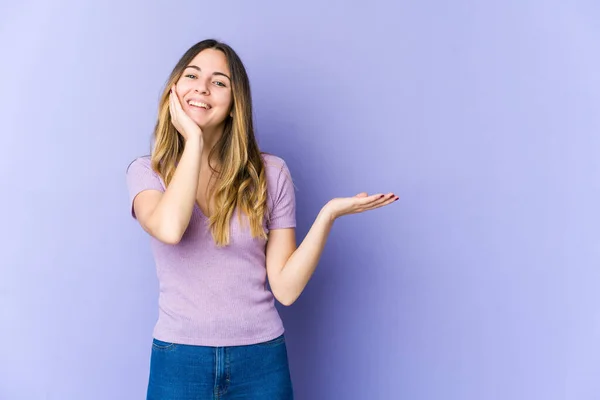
{"x":161,"y":345}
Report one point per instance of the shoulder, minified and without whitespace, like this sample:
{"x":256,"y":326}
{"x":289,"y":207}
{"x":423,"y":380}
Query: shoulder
{"x":276,"y":169}
{"x":139,"y":172}
{"x":141,"y":162}
{"x":275,"y":166}
{"x":273,"y":162}
{"x":280,"y":183}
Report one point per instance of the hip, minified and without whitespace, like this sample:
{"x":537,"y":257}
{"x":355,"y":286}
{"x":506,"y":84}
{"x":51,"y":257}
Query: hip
{"x":183,"y":371}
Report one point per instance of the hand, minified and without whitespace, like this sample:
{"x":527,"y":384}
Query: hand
{"x":180,"y":120}
{"x":360,"y":203}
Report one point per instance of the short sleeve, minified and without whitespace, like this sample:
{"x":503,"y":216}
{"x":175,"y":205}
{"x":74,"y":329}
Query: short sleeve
{"x":283,"y":210}
{"x":140,"y":176}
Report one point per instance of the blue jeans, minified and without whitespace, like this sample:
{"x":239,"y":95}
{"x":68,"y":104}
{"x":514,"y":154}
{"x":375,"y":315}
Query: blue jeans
{"x":184,"y":372}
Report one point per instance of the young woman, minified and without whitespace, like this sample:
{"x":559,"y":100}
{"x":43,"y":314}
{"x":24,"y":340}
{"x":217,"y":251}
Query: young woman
{"x":222,"y":215}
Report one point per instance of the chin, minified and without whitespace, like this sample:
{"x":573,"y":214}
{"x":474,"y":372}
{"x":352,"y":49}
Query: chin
{"x":201,"y":124}
{"x":209,"y":124}
{"x":205,"y":126}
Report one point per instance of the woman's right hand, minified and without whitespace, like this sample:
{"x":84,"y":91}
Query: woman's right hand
{"x":180,"y":120}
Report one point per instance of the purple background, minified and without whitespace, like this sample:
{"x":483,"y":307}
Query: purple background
{"x":480,"y":283}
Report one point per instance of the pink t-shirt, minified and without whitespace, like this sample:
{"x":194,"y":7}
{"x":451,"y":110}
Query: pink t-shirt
{"x":214,"y":296}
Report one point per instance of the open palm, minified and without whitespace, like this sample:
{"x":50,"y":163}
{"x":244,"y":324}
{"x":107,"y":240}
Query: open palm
{"x":359,"y":203}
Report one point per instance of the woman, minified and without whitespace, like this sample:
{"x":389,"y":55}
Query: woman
{"x":221,"y":216}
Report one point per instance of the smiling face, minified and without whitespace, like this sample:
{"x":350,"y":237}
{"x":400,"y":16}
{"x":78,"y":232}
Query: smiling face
{"x":204,"y":89}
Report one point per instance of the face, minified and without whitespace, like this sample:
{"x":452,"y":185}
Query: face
{"x":204,"y":89}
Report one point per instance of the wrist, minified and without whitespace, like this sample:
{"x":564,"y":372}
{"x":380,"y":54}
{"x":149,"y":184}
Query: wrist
{"x":193,"y":140}
{"x":327,"y":213}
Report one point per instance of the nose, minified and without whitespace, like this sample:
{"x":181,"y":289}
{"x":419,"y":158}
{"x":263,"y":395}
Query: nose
{"x":201,"y":87}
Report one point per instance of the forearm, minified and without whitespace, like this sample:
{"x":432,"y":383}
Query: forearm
{"x":174,"y":210}
{"x":301,"y":265}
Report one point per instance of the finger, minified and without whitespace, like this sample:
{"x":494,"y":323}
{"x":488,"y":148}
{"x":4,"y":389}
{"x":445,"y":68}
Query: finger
{"x":361,"y":194}
{"x":172,"y":106}
{"x":373,"y":199}
{"x":389,"y":198}
{"x":385,"y":202}
{"x":173,"y":111}
{"x":177,"y":102}
{"x":381,"y":200}
{"x":365,"y":201}
{"x":172,"y":93}
{"x":173,"y":100}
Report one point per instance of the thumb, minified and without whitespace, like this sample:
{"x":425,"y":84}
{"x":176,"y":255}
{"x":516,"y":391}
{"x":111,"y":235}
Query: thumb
{"x":361,"y":194}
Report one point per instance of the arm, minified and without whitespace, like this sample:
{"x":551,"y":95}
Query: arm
{"x":167,"y":215}
{"x":290,"y":268}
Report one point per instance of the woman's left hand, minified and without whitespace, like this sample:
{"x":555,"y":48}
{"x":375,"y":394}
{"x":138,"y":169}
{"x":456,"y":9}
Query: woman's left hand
{"x":360,"y":203}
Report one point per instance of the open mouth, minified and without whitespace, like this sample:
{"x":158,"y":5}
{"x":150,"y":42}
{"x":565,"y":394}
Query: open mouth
{"x":199,"y":104}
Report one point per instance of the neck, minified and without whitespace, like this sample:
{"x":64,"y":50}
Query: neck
{"x":210,"y":137}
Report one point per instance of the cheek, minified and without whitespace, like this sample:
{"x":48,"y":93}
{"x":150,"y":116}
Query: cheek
{"x":228,"y":102}
{"x":182,"y":87}
{"x":225,"y":103}
{"x":179,"y":93}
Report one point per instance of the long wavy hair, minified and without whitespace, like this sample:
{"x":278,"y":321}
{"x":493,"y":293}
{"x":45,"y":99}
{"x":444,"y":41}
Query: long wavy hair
{"x":241,"y":180}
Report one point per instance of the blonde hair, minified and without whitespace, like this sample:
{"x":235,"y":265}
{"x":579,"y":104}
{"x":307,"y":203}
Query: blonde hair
{"x":241,"y":180}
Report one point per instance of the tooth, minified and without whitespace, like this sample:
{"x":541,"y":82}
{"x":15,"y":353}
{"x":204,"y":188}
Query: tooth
{"x":198,"y":104}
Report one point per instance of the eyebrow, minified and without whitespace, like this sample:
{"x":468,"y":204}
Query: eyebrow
{"x":214,"y":73}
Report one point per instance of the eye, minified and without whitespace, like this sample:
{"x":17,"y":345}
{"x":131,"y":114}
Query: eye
{"x":190,"y":76}
{"x":219,"y":83}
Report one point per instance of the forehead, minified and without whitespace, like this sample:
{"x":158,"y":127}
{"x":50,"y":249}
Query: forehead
{"x":210,"y":59}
